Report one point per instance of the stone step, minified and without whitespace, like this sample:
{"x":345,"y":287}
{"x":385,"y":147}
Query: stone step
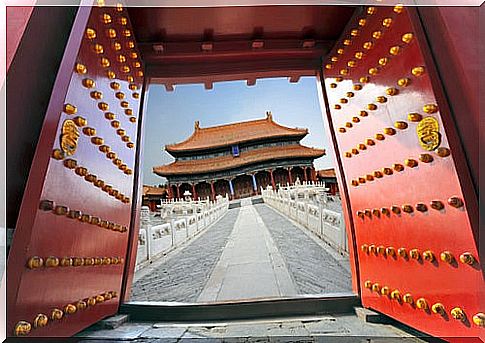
{"x":370,"y":316}
{"x":113,"y":322}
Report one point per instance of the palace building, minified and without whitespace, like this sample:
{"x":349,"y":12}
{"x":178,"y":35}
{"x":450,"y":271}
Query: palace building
{"x":238,"y":159}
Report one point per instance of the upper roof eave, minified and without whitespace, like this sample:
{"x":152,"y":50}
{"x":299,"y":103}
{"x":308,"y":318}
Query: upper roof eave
{"x":230,"y":134}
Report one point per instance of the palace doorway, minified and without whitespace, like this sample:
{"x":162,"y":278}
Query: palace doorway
{"x":93,"y":189}
{"x":239,"y":244}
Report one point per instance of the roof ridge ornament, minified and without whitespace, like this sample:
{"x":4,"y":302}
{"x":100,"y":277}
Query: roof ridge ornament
{"x":269,"y":115}
{"x":196,"y":125}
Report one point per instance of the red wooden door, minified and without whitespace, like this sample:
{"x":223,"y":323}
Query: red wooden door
{"x":67,"y":260}
{"x":414,"y":213}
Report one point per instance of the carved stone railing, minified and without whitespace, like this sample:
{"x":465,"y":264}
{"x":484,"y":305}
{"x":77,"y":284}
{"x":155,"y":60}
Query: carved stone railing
{"x":173,"y":224}
{"x":309,"y":205}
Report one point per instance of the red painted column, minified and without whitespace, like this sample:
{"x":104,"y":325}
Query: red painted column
{"x":194,"y":192}
{"x":314,"y":174}
{"x":305,"y":170}
{"x":169,"y":190}
{"x":178,"y":191}
{"x":213,"y":191}
{"x":272,"y":179}
{"x":290,"y":180}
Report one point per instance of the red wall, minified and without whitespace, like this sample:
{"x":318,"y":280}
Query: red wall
{"x":17,"y":18}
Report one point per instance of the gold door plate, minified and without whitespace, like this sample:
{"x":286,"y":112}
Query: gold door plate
{"x":69,"y":137}
{"x":428,"y":131}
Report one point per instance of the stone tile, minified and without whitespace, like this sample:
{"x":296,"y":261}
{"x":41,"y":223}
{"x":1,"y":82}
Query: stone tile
{"x":292,"y":339}
{"x":313,"y":268}
{"x":124,"y":332}
{"x":191,"y":336}
{"x":338,"y":329}
{"x":289,"y":329}
{"x":249,"y":330}
{"x":340,"y":339}
{"x":240,"y":283}
{"x":370,"y":316}
{"x":113,"y":322}
{"x":395,"y":340}
{"x":257,"y":339}
{"x":202,"y":331}
{"x":357,"y":327}
{"x":250,"y":265}
{"x":164,"y":332}
{"x":183,"y":276}
{"x":201,"y":340}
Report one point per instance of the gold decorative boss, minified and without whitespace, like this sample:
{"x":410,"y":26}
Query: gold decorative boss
{"x":69,"y":137}
{"x":428,"y":131}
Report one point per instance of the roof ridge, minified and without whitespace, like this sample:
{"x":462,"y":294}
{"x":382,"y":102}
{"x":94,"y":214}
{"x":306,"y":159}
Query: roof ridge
{"x":199,"y":132}
{"x":232,"y":124}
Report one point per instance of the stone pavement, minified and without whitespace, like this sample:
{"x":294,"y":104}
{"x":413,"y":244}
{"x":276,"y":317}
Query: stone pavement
{"x":252,"y":252}
{"x":182,"y":275}
{"x":333,"y":329}
{"x":250,"y":266}
{"x":315,"y":267}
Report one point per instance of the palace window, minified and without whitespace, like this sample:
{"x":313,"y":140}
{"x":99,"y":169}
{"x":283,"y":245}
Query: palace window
{"x":235,"y":150}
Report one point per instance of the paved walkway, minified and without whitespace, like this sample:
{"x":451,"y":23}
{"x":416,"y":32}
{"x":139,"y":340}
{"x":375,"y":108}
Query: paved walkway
{"x":329,"y":329}
{"x":250,"y":266}
{"x":250,"y":253}
{"x":315,"y":267}
{"x":183,"y":275}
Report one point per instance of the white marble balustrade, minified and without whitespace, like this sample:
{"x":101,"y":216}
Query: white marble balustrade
{"x":180,"y":221}
{"x":309,"y":205}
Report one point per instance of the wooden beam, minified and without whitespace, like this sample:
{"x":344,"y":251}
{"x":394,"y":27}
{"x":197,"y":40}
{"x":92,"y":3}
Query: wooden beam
{"x":251,"y":82}
{"x":189,"y":52}
{"x":208,"y":85}
{"x":245,"y":70}
{"x":209,"y":80}
{"x":169,"y":87}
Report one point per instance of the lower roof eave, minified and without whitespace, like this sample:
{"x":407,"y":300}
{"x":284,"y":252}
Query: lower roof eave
{"x":235,"y":168}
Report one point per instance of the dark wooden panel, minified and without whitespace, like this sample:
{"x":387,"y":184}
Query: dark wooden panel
{"x":28,"y":94}
{"x":238,"y":22}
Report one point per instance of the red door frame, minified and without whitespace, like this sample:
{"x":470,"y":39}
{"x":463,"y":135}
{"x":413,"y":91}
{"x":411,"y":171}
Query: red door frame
{"x":461,"y":140}
{"x":453,"y":36}
{"x":461,"y":126}
{"x":342,"y":185}
{"x":445,"y":83}
{"x":137,"y":197}
{"x":456,"y":52}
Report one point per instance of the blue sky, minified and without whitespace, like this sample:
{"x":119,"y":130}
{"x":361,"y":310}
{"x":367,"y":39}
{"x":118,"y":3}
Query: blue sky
{"x":170,"y":116}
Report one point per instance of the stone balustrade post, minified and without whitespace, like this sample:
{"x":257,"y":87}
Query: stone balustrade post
{"x":146,"y":228}
{"x":320,"y":216}
{"x":172,"y":230}
{"x":204,"y":211}
{"x":186,"y":219}
{"x":197,"y":222}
